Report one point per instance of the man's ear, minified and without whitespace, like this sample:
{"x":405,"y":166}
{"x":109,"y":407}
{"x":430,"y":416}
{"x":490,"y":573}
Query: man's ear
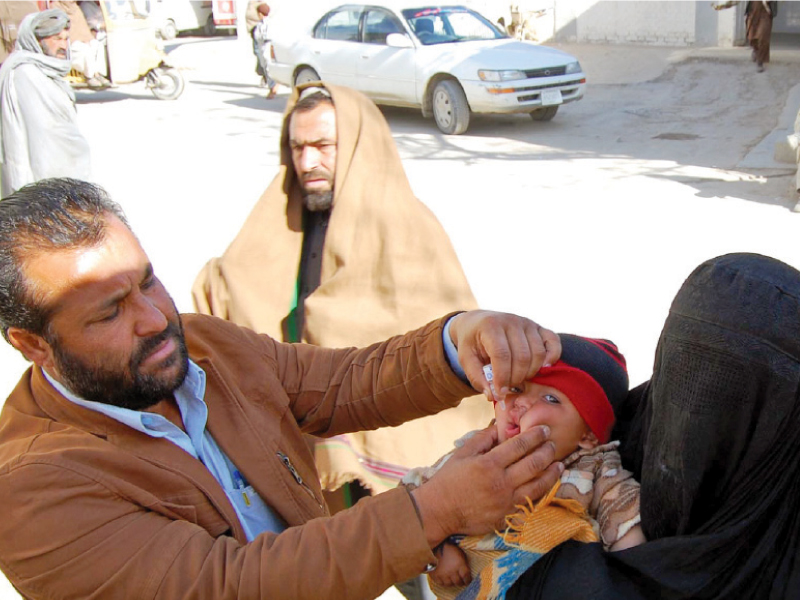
{"x":588,"y":441}
{"x":33,"y":346}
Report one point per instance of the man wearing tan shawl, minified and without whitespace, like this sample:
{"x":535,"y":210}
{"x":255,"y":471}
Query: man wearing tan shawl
{"x":387,"y":266}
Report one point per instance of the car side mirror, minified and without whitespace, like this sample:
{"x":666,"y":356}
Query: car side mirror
{"x":399,"y":40}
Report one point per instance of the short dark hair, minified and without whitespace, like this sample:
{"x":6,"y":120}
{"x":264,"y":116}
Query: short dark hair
{"x":310,"y":101}
{"x":47,"y":216}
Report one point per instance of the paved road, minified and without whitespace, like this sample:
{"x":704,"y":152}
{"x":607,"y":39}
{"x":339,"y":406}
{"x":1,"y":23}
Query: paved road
{"x":588,"y":223}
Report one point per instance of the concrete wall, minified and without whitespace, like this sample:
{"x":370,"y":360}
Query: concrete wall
{"x":653,"y":22}
{"x":788,"y":19}
{"x":730,"y":27}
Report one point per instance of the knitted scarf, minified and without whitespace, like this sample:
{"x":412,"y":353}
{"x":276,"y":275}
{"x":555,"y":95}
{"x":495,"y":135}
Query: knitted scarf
{"x":498,"y":560}
{"x":595,"y":500}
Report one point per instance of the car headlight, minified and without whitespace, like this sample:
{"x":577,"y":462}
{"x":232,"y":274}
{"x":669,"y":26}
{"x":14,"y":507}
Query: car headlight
{"x":574,"y":67}
{"x":509,"y":75}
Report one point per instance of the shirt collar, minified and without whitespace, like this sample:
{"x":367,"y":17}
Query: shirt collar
{"x":189,"y":397}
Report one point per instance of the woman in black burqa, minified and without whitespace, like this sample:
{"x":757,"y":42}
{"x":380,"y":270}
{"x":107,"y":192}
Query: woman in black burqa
{"x":714,"y":439}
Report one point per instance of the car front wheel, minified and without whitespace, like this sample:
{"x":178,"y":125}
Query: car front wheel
{"x":450,"y":108}
{"x":305,"y":75}
{"x":169,"y":31}
{"x":544,"y":114}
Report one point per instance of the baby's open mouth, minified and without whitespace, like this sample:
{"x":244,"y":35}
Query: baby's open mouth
{"x":512,"y":427}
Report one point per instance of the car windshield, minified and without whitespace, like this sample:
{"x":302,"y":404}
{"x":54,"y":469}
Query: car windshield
{"x":447,"y":24}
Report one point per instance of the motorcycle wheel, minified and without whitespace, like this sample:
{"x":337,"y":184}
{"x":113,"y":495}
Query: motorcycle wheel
{"x":166,"y":83}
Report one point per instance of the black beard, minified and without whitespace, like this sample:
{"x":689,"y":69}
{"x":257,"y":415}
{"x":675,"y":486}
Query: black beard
{"x":318,"y":201}
{"x":129,"y":388}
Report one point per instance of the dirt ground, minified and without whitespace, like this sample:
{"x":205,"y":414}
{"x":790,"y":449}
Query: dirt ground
{"x":588,"y":223}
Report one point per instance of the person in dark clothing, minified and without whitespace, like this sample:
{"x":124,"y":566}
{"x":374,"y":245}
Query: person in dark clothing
{"x":759,"y":15}
{"x":713,"y":439}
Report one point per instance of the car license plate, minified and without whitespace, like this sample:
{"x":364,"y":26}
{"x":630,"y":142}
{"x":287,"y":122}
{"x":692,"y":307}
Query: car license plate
{"x":550,"y":97}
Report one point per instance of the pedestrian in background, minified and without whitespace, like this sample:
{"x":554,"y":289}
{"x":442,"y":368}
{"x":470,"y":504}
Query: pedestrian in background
{"x":38,"y":119}
{"x":261,"y":41}
{"x":88,"y":54}
{"x":758,"y":18}
{"x":255,"y":13}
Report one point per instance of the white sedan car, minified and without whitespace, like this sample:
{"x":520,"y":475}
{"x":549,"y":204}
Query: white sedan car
{"x":447,"y":60}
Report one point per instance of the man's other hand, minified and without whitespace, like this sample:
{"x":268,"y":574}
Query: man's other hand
{"x":483,"y":482}
{"x":515,"y":346}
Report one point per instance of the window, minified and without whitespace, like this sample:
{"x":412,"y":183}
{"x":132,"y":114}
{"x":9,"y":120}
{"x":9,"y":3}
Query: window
{"x":378,"y":24}
{"x":445,"y":24}
{"x":340,"y":25}
{"x":319,"y":28}
{"x":466,"y":27}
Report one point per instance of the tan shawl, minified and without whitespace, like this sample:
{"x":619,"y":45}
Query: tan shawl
{"x":388,"y":267}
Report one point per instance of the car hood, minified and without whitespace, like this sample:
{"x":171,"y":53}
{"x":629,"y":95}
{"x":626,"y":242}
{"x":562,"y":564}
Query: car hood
{"x":491,"y":54}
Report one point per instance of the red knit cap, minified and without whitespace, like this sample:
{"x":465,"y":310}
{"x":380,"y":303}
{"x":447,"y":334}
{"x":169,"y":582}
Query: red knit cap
{"x":594,"y":376}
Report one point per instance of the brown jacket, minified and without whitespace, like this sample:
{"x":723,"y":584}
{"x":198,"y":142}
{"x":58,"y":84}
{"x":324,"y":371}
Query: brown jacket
{"x":94,"y":509}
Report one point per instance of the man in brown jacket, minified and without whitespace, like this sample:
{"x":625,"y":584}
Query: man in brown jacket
{"x":148,"y":455}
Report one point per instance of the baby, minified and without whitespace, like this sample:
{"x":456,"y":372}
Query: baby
{"x":576,"y":398}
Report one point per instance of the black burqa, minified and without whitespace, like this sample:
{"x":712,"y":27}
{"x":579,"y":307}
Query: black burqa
{"x":714,"y":439}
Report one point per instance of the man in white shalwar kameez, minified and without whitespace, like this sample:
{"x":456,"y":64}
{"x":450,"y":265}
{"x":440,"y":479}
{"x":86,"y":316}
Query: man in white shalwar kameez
{"x":38,"y":118}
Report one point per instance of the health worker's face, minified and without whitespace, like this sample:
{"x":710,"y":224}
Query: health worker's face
{"x":56,"y":45}
{"x":115,"y":335}
{"x":543,"y":405}
{"x":312,"y":139}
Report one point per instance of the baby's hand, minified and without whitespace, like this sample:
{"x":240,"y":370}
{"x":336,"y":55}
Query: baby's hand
{"x":633,"y":538}
{"x":453,"y":569}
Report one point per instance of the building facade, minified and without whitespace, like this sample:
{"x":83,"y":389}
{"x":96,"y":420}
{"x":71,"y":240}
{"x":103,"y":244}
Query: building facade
{"x":652,"y":22}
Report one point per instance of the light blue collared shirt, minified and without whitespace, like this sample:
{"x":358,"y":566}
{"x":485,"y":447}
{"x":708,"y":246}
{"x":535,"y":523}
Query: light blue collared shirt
{"x":254,"y":515}
{"x":451,"y":352}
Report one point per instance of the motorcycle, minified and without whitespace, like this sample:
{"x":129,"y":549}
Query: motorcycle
{"x":132,"y":51}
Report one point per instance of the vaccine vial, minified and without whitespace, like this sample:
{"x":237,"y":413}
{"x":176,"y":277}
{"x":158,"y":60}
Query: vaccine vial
{"x":488,"y":373}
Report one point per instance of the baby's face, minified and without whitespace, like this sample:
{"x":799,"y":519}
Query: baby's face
{"x":543,"y":405}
